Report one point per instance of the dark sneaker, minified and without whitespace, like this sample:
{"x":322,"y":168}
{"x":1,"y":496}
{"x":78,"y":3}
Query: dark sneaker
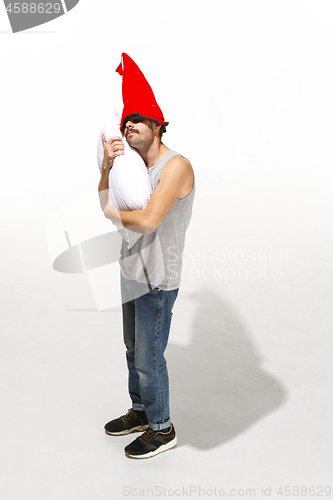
{"x":133,"y":421}
{"x":151,"y":443}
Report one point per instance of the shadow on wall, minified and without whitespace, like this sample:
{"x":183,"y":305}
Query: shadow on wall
{"x":218,"y":388}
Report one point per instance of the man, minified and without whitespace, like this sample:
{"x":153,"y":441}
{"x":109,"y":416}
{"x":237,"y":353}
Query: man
{"x":151,"y":270}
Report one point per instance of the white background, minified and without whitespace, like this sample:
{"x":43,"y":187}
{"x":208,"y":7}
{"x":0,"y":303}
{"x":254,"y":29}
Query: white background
{"x":246,"y":87}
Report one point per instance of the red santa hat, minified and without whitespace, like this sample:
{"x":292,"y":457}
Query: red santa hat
{"x":138,"y":97}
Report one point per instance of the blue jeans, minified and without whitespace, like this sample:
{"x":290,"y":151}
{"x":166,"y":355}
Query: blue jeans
{"x":147,"y":316}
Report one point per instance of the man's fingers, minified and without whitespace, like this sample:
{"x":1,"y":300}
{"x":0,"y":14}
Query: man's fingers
{"x":114,"y":142}
{"x":113,"y":139}
{"x":112,"y":148}
{"x":115,"y":145}
{"x":118,"y":152}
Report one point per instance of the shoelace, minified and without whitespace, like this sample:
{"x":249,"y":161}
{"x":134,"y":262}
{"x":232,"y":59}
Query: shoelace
{"x":128,"y":415}
{"x":147,"y":436}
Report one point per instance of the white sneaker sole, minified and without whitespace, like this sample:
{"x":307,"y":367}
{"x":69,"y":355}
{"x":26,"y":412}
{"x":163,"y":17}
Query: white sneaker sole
{"x":162,"y":448}
{"x":139,"y":428}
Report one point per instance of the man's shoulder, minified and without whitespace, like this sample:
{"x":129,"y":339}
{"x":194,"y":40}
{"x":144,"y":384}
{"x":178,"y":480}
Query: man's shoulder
{"x":180,"y":160}
{"x":178,"y":170}
{"x":179,"y":164}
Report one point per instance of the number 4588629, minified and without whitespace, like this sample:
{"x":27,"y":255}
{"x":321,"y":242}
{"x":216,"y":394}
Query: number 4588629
{"x":33,"y":8}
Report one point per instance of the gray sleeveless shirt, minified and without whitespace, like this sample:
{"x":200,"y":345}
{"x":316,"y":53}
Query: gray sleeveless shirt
{"x":157,"y":257}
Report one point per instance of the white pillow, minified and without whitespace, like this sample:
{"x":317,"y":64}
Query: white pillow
{"x":129,"y":182}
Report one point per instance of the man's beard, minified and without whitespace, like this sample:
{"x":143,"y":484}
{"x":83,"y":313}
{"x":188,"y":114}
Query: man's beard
{"x":141,"y":144}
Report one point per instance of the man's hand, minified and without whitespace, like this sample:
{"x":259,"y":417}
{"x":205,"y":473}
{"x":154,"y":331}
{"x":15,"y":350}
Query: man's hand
{"x":113,"y":148}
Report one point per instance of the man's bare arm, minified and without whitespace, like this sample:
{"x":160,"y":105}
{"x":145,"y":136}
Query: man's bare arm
{"x":176,"y":174}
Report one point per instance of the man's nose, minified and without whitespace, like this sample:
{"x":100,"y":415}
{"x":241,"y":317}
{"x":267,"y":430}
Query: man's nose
{"x":129,"y":124}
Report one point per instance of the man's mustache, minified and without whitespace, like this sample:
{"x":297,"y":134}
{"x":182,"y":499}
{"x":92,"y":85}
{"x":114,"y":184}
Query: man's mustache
{"x":132,"y":130}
